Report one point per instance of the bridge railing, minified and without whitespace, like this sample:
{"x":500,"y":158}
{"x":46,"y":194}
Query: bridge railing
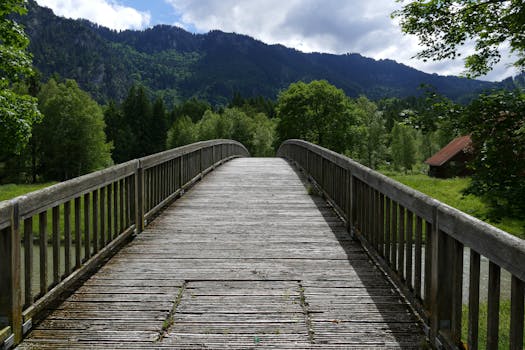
{"x":420,"y":243}
{"x":49,"y":239}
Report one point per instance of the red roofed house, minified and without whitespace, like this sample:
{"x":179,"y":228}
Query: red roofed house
{"x":451,"y":160}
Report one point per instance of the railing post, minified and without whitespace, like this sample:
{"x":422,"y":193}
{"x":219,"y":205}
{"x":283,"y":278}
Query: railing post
{"x":10,"y":270}
{"x":200,"y":162}
{"x":350,"y":199}
{"x":441,"y":280}
{"x":139,"y":198}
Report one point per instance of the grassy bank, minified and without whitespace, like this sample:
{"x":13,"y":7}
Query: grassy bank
{"x":449,"y":191}
{"x":504,"y":325}
{"x":11,"y":190}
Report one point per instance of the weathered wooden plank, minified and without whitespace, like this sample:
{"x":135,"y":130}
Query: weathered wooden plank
{"x":245,"y":258}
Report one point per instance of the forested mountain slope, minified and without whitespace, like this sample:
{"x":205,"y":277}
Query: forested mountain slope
{"x":176,"y":64}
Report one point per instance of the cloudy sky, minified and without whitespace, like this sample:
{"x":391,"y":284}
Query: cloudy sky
{"x":333,"y":26}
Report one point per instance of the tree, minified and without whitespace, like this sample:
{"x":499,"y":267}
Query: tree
{"x":317,"y":112}
{"x":372,"y":133}
{"x":137,"y":115}
{"x":403,"y":147}
{"x":18,"y":112}
{"x":70,"y":140}
{"x":118,"y":132}
{"x":496,"y":125}
{"x":214,"y":126}
{"x":443,"y":26}
{"x":158,"y":127}
{"x":183,"y":132}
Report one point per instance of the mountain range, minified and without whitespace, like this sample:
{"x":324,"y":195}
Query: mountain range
{"x":175,"y":64}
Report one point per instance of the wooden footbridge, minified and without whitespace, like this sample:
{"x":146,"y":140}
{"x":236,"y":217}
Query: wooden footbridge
{"x":307,"y":251}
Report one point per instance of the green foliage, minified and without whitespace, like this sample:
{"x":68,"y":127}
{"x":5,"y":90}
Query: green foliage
{"x":443,"y":26}
{"x":372,"y":133}
{"x":496,"y":125}
{"x":70,"y":141}
{"x":176,"y":65}
{"x":317,"y":112}
{"x":18,"y":111}
{"x":158,"y":127}
{"x":403,"y":147}
{"x":192,"y":108}
{"x":256,"y":132}
{"x":137,"y":128}
{"x":183,"y":132}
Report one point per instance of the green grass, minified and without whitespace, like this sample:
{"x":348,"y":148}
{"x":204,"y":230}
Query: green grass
{"x":449,"y":191}
{"x":504,"y":325}
{"x":11,"y":191}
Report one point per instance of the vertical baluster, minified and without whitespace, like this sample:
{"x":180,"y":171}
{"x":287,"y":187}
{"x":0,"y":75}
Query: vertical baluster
{"x":109,"y":218}
{"x":388,"y":226}
{"x":56,"y":244}
{"x":457,"y":291}
{"x":382,"y":224}
{"x":428,"y":263}
{"x":473,"y":301}
{"x":115,"y":209}
{"x":401,"y":242}
{"x":516,"y":313}
{"x":28,"y":261}
{"x":493,"y":306}
{"x":95,"y":222}
{"x":394,"y":240}
{"x":127,"y":201}
{"x":102,"y":240}
{"x":87,"y":233}
{"x":42,"y":231}
{"x":67,"y":238}
{"x":122,"y":207}
{"x":78,"y":236}
{"x":409,"y":247}
{"x":417,"y":256}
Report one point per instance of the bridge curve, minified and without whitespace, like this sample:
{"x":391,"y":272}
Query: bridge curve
{"x":249,"y":257}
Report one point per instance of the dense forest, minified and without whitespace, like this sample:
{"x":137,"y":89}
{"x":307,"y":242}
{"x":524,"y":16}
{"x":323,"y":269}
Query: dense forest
{"x":176,"y":65}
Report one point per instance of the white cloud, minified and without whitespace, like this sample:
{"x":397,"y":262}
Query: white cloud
{"x":331,"y":26}
{"x":107,"y":13}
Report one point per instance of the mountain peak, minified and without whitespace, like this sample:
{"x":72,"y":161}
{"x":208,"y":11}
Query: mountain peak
{"x":177,"y":64}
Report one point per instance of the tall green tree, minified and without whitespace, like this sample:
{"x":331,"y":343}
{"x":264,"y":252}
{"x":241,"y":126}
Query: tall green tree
{"x":317,"y":112}
{"x":70,"y":141}
{"x":118,"y":132}
{"x":182,"y":132}
{"x":18,"y":112}
{"x":444,"y":26}
{"x":137,"y":114}
{"x":158,"y":128}
{"x":497,"y":125}
{"x":373,"y":134}
{"x":403,"y":147}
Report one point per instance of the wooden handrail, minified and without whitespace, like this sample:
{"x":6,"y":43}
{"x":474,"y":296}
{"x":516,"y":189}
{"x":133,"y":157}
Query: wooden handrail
{"x":404,"y":230}
{"x":98,"y":212}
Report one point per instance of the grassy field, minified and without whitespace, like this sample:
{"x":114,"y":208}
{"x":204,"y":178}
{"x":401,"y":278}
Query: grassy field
{"x":504,"y":325}
{"x":449,"y":191}
{"x":11,"y":191}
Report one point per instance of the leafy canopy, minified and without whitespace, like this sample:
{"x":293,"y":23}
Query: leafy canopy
{"x":497,"y":128}
{"x":18,"y":112}
{"x":317,"y":112}
{"x":443,"y":26}
{"x":70,"y":140}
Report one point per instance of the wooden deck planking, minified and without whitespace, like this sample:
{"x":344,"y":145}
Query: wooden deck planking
{"x":245,"y":259}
